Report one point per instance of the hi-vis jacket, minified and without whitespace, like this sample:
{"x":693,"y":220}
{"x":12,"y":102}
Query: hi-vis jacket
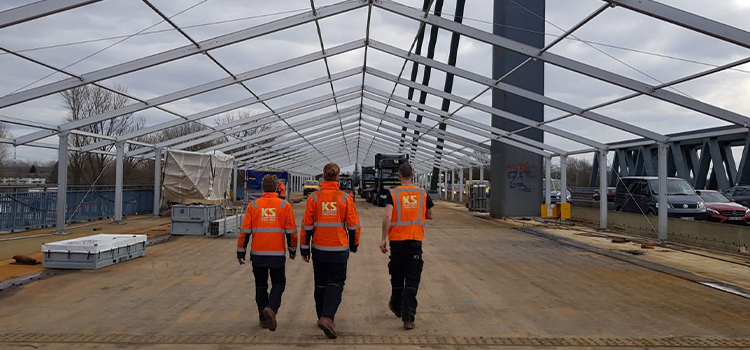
{"x":329,"y":214}
{"x":269,"y":220}
{"x":409,"y":213}
{"x":282,"y":189}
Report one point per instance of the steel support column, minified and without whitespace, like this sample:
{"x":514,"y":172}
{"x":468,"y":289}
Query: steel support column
{"x":118,"y":181}
{"x":453,"y":185}
{"x":461,"y":188}
{"x":564,"y":180}
{"x":234,"y":181}
{"x":157,"y":181}
{"x":471,"y":177}
{"x":548,"y":184}
{"x":62,"y":181}
{"x":602,"y":189}
{"x":663,"y":205}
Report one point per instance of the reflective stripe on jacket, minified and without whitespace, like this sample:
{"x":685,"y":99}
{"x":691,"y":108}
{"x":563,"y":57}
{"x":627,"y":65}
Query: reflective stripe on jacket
{"x":270,"y":222}
{"x":409,"y":213}
{"x":330,"y":213}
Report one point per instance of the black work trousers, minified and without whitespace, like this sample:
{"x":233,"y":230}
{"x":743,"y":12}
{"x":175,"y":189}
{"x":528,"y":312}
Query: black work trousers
{"x":405,"y":267}
{"x":329,"y":285}
{"x":262,"y":297}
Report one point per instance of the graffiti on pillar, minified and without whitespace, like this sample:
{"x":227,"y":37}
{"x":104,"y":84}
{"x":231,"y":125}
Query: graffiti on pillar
{"x":519,"y":174}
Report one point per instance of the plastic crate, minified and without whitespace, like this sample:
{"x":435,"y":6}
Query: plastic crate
{"x":93,"y":252}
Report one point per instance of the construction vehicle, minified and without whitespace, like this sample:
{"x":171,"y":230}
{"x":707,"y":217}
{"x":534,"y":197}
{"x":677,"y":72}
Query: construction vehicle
{"x":346,"y":184}
{"x":386,"y":177}
{"x":367,"y":180}
{"x":310,"y":186}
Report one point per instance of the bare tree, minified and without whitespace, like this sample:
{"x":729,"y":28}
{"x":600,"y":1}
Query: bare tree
{"x":243,"y":131}
{"x":4,"y":147}
{"x":579,"y":172}
{"x":186,"y":129}
{"x":87,"y":101}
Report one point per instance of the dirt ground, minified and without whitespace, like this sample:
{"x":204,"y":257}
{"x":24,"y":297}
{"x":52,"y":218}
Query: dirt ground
{"x":485,"y":285}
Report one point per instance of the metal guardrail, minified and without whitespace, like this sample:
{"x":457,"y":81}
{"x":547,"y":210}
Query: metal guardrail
{"x":27,"y":207}
{"x":582,"y":193}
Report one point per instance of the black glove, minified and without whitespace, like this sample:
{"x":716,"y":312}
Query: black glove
{"x":292,"y":254}
{"x":241,"y":256}
{"x":352,"y":234}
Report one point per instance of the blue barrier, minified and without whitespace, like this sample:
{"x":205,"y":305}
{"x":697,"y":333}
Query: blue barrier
{"x":27,"y":208}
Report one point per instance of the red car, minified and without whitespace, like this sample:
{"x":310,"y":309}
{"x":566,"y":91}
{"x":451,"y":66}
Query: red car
{"x":720,"y":209}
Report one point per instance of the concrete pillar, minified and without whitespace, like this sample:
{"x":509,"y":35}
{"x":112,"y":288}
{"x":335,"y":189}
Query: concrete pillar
{"x":603,"y":189}
{"x":120,"y":146}
{"x":663,"y":203}
{"x":157,"y":181}
{"x":563,"y":179}
{"x":516,"y":174}
{"x":62,"y":181}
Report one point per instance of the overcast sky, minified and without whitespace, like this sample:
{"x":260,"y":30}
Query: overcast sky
{"x":645,"y":49}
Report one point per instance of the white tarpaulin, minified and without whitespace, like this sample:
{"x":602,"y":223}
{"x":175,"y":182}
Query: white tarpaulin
{"x":191,"y":177}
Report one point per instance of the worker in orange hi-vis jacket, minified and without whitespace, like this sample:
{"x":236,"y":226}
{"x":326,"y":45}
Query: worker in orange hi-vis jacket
{"x":407,"y":210}
{"x":332,"y":230}
{"x":282,"y":190}
{"x":269,"y":221}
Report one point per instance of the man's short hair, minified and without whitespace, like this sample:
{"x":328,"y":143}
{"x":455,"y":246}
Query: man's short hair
{"x":270,"y":183}
{"x":406,"y":171}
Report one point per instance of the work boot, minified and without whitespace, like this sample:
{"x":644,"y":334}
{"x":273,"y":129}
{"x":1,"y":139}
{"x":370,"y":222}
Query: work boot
{"x":270,"y":319}
{"x":397,"y":313}
{"x":408,"y":325}
{"x":263,"y":324}
{"x":328,"y":327}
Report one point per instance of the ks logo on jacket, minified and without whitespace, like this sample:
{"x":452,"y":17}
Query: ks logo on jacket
{"x":410,"y":202}
{"x":268,"y":214}
{"x":330,"y":208}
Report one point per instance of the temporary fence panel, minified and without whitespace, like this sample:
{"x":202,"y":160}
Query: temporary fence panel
{"x":30,"y":208}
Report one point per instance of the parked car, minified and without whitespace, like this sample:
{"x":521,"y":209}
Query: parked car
{"x":555,"y":193}
{"x":640,"y":194}
{"x":720,"y":209}
{"x":610,"y":194}
{"x":739,"y":194}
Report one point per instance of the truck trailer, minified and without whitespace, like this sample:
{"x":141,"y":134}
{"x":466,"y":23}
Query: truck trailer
{"x":386,"y":177}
